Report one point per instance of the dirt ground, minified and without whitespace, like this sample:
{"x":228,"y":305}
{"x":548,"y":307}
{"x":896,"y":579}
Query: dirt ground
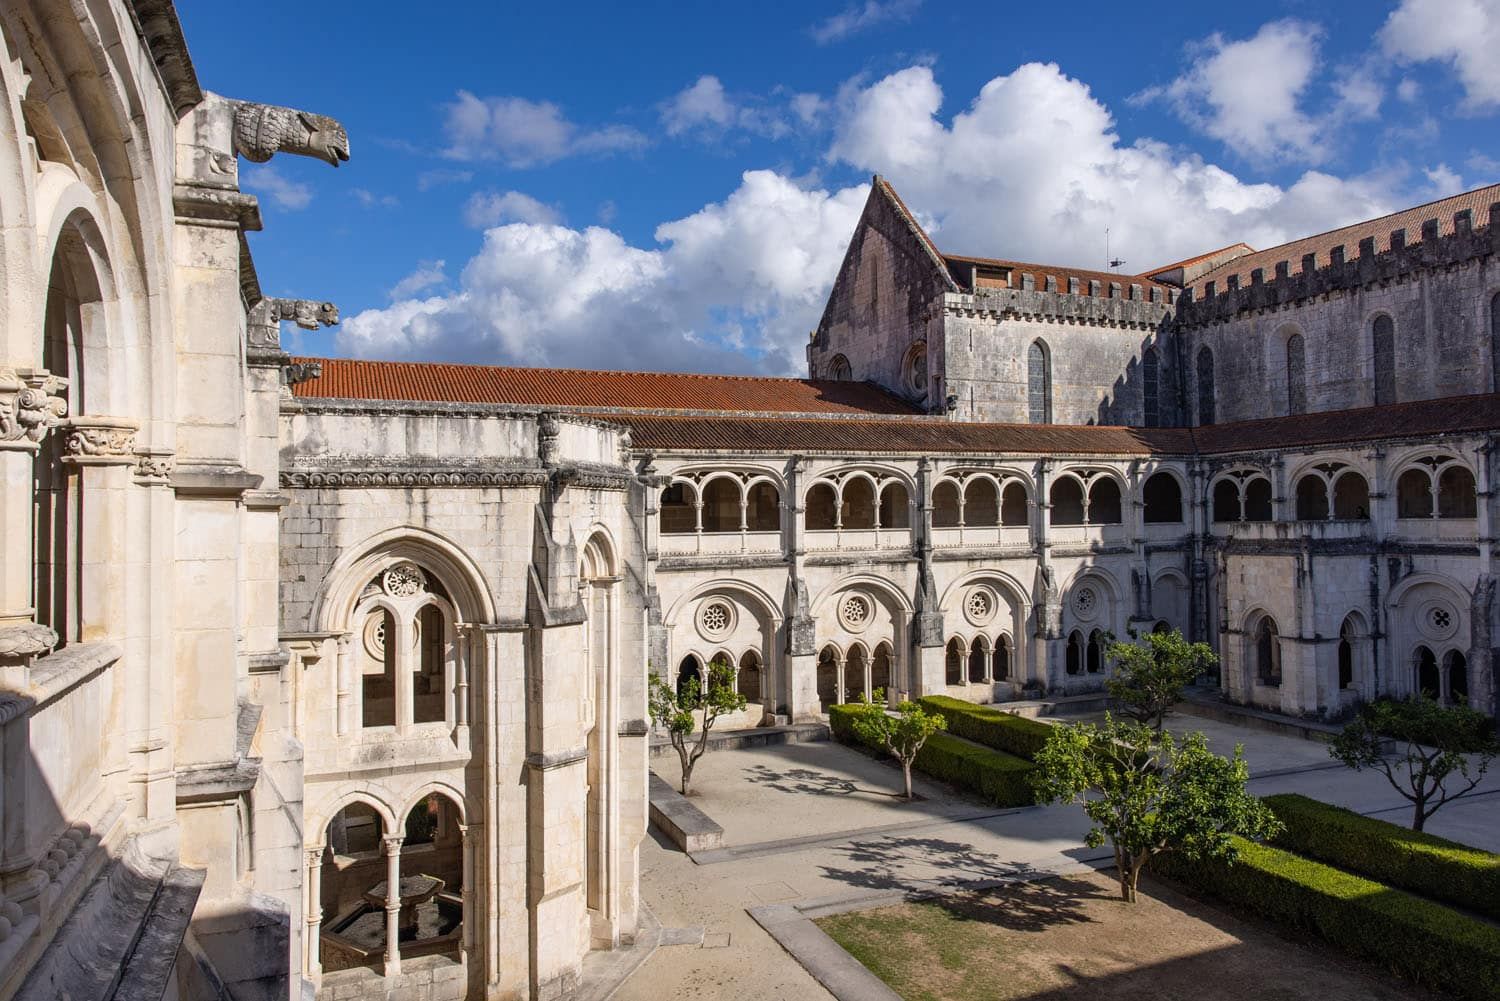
{"x":1072,"y":938}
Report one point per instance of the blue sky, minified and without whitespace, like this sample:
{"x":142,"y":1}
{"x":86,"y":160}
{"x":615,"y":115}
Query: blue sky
{"x":657,"y":187}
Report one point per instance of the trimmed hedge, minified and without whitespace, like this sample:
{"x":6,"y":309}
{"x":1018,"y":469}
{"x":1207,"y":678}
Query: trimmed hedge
{"x":1416,"y":938}
{"x":989,"y":726}
{"x":1443,"y":870}
{"x":999,"y":778}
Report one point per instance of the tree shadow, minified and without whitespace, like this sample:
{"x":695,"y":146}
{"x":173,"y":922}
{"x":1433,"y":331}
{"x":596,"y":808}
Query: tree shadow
{"x":810,"y":782}
{"x":1027,"y":899}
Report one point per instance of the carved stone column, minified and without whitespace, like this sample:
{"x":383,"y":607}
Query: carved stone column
{"x":392,"y":904}
{"x":466,"y":849}
{"x":343,"y":693}
{"x":30,"y":406}
{"x":314,"y":877}
{"x":463,"y":648}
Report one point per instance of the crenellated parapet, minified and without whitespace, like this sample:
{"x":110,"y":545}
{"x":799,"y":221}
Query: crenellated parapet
{"x":1340,"y":272}
{"x":1129,"y":305}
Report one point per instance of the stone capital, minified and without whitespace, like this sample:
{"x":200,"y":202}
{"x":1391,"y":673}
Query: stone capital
{"x":30,"y":406}
{"x":99,"y":441}
{"x":25,"y":640}
{"x":153,"y":466}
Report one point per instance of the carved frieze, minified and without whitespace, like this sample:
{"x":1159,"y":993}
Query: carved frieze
{"x":153,"y":467}
{"x":30,"y":406}
{"x":99,"y":441}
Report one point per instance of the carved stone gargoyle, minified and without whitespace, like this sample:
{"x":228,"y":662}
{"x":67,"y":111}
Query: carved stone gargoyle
{"x":263,"y":130}
{"x":309,"y":314}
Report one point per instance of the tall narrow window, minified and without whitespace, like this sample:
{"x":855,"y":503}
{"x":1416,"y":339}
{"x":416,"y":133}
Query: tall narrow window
{"x":1205,"y":386}
{"x":1385,"y":360}
{"x":1038,"y":384}
{"x":1267,"y":653}
{"x":1151,"y":387}
{"x":1495,"y":343}
{"x":1296,"y":375}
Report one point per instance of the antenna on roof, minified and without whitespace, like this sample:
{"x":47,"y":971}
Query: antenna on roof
{"x":1113,"y":263}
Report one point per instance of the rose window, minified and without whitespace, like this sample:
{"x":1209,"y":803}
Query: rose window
{"x":715,"y":619}
{"x":855,"y":612}
{"x":1085,"y":601}
{"x":979,"y":606}
{"x":404,"y":580}
{"x":1441,"y":618}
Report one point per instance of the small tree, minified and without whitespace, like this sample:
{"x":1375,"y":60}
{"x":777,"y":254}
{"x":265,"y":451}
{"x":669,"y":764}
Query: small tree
{"x":1150,"y":675}
{"x":902,"y":734}
{"x":679,"y":709}
{"x":1148,"y":794}
{"x":1433,"y":744}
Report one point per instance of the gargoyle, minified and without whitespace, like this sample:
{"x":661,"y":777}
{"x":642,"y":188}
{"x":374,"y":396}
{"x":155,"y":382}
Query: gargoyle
{"x":263,"y":130}
{"x":309,"y":314}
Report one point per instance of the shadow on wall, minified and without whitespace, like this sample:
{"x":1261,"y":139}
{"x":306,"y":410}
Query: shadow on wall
{"x":93,"y":910}
{"x":1147,"y":393}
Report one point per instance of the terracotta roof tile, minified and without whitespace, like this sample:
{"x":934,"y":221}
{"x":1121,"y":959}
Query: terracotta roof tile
{"x":583,"y":390}
{"x":1451,"y":414}
{"x":1062,"y":273}
{"x":1477,"y":202}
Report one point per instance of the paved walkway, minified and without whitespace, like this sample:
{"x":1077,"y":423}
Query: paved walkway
{"x":817,"y":823}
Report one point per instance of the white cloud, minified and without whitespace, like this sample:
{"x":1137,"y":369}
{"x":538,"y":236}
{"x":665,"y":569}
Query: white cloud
{"x":705,"y":109}
{"x":748,"y":274}
{"x":522,"y":133}
{"x":370,"y":199}
{"x":492,"y":208}
{"x":1465,"y":34}
{"x":1033,"y":170}
{"x":1248,"y":94}
{"x":859,"y":17}
{"x":270,"y":181}
{"x":1408,"y":90}
{"x":429,"y":179}
{"x":426,"y":275}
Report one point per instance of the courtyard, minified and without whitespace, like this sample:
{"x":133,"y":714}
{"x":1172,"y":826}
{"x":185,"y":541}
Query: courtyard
{"x":816,"y":832}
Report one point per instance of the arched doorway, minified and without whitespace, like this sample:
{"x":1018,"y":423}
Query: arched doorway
{"x":830,"y":668}
{"x":1429,"y":683}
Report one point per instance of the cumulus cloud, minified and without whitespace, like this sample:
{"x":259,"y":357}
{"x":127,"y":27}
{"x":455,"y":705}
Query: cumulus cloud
{"x":522,"y":133}
{"x":735,"y":286}
{"x":426,"y":275}
{"x":1464,"y":34}
{"x":860,"y":17}
{"x":706,"y":110}
{"x":271,"y":182}
{"x":492,"y":208}
{"x":1033,"y":169}
{"x":1248,"y":93}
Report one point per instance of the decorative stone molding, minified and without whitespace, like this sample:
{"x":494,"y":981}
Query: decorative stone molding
{"x":414,"y":477}
{"x":25,"y":640}
{"x":99,"y":441}
{"x":29,"y":407}
{"x":213,"y":480}
{"x":153,"y":467}
{"x":404,"y":580}
{"x":263,"y":130}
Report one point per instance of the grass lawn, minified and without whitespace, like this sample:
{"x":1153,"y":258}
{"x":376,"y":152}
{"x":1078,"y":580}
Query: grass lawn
{"x":1072,"y":938}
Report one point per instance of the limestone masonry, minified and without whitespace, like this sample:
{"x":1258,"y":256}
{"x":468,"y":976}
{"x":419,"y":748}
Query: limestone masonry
{"x":326,"y":678}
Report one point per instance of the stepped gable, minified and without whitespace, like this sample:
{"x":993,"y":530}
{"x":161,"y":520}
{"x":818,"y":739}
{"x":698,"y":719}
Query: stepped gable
{"x":1414,"y":226}
{"x":585,"y":391}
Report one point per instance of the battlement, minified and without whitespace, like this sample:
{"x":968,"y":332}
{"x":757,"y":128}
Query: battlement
{"x":1117,"y":303}
{"x":1318,"y":277}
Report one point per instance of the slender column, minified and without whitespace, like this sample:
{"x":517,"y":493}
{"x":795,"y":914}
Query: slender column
{"x":838,"y":673}
{"x":464,"y":649}
{"x":392,"y":904}
{"x":345,"y":701}
{"x":405,"y":626}
{"x":465,"y":853}
{"x":314,"y":965}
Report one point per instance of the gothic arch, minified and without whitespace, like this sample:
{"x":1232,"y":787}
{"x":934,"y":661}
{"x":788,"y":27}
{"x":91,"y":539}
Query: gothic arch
{"x":317,"y":820}
{"x":335,"y":602}
{"x":442,"y":788}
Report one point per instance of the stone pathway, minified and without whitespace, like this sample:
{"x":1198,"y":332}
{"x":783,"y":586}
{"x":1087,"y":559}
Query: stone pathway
{"x":816,"y":825}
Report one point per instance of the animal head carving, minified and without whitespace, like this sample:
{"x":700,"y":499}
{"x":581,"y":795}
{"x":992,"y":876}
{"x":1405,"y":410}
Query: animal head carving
{"x":326,"y":139}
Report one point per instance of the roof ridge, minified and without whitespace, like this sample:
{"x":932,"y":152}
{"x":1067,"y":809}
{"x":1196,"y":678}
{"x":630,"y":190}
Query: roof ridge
{"x":1052,"y":267}
{"x":551,"y":368}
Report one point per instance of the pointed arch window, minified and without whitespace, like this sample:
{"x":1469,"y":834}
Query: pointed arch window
{"x":1205,"y":386}
{"x":1151,"y":387}
{"x":1384,"y":335}
{"x":1296,"y":375}
{"x":1039,"y":383}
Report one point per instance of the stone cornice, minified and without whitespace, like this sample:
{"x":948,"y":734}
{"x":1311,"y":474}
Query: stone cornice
{"x":1060,"y":307}
{"x":215,"y":206}
{"x":329,"y":406}
{"x":468,"y":475}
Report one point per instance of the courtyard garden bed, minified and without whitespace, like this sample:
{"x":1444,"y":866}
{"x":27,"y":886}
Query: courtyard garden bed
{"x":1071,"y":937}
{"x":994,"y":728}
{"x":998,"y":778}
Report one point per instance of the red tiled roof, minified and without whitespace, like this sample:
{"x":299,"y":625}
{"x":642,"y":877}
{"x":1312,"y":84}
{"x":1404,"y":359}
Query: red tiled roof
{"x":1062,"y":274}
{"x":799,"y":435}
{"x":1478,"y":203}
{"x":1200,"y":257}
{"x":582,"y":390}
{"x":1449,"y":415}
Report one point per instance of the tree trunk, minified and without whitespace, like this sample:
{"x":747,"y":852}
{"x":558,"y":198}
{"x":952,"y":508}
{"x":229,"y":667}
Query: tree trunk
{"x":1418,"y":818}
{"x":906,"y":774}
{"x":686,"y":757}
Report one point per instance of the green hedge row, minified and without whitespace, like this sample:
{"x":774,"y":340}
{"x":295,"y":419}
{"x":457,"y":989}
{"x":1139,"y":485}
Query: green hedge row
{"x":1389,"y":853}
{"x":999,"y":778}
{"x":989,"y":726}
{"x":1418,"y":939}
